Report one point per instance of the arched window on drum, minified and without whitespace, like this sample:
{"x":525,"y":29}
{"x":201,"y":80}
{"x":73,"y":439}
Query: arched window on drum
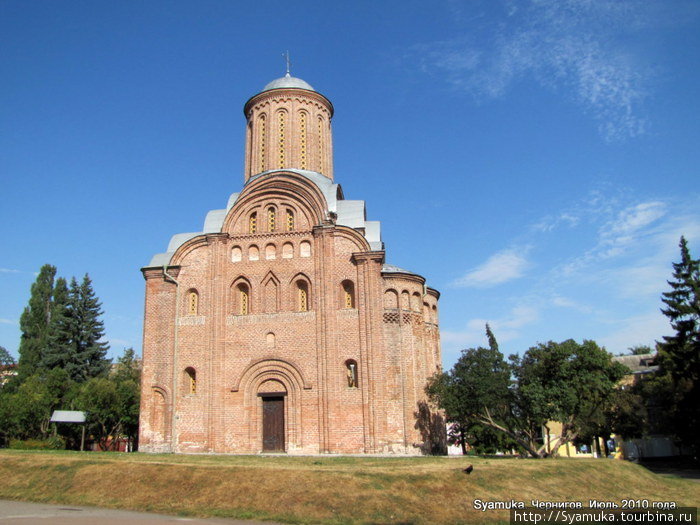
{"x":347,"y":294}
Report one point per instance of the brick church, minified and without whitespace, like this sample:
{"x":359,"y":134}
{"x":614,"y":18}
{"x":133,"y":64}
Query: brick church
{"x":280,"y":327}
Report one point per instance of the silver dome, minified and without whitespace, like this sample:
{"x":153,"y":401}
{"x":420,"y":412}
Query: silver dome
{"x":288,"y":81}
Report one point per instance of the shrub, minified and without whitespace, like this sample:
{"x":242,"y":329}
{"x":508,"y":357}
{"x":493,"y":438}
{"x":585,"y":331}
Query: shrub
{"x":53,"y":443}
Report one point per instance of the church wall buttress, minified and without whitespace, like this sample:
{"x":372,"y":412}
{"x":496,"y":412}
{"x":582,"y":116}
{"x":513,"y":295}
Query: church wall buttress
{"x":156,"y":377}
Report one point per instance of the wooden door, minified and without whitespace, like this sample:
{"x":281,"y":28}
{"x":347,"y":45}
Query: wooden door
{"x":273,"y":424}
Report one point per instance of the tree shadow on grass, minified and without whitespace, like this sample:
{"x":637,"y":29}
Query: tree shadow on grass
{"x":680,"y":466}
{"x":431,"y":425}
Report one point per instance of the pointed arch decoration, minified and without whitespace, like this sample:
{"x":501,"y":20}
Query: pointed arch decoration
{"x":271,"y":293}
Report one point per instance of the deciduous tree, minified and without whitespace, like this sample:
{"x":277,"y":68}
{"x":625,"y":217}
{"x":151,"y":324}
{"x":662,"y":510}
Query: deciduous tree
{"x":5,"y":357}
{"x":566,"y":382}
{"x":34,"y":322}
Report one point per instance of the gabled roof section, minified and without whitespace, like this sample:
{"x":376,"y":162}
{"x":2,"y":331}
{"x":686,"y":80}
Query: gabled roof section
{"x":347,"y":213}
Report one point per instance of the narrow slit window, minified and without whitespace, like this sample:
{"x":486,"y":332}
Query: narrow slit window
{"x":351,"y":373}
{"x":302,"y":133}
{"x":348,"y":295}
{"x":320,"y":144}
{"x":243,"y":299}
{"x":244,"y":302}
{"x":290,"y":220}
{"x":281,"y":138}
{"x":192,"y":302}
{"x":262,"y":143}
{"x":303,"y":291}
{"x":190,"y":381}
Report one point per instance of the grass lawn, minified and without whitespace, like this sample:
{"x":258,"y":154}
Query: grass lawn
{"x":325,"y":489}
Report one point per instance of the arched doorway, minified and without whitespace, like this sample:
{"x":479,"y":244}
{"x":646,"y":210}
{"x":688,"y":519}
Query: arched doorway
{"x":272,"y":396}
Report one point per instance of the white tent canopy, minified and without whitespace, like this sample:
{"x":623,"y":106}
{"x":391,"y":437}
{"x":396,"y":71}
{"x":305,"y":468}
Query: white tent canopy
{"x":67,"y":416}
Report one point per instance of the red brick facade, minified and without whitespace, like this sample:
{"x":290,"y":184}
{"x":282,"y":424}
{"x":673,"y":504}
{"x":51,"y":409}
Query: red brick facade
{"x":279,"y":327}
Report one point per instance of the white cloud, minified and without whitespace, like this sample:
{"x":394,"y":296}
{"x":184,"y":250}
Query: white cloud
{"x":639,"y":277}
{"x":7,"y":321}
{"x":624,"y":230}
{"x":8,"y":270}
{"x":575,"y":48}
{"x":549,"y":223}
{"x":634,"y":218}
{"x":499,"y":268}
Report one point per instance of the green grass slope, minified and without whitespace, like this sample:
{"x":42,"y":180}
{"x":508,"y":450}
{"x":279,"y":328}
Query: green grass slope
{"x":325,"y":489}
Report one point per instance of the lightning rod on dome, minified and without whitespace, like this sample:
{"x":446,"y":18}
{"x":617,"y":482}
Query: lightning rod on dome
{"x":289,"y":64}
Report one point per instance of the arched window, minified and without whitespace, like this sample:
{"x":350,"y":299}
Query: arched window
{"x":351,"y":373}
{"x":391,"y":299}
{"x":243,"y":299}
{"x":253,"y":253}
{"x":405,"y":300}
{"x":253,"y":223}
{"x":348,"y":294}
{"x":281,"y":116}
{"x":261,"y":124}
{"x":271,"y":219}
{"x":236,"y":254}
{"x":270,"y":251}
{"x":158,"y":414}
{"x":192,"y":302}
{"x":320,"y":144}
{"x":287,"y":250}
{"x":190,"y":381}
{"x":416,"y":302}
{"x":290,"y":220}
{"x":305,"y":249}
{"x":303,"y":299}
{"x":302,"y":139}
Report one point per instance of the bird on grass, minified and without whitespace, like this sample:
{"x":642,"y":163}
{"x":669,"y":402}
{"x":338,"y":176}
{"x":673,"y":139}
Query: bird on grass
{"x":469,"y":469}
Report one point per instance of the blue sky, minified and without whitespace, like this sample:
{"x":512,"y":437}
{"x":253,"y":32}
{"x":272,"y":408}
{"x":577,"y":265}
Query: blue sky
{"x":537,"y":161}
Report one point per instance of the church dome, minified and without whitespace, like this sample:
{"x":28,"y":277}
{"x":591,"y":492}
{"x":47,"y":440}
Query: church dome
{"x":288,"y":81}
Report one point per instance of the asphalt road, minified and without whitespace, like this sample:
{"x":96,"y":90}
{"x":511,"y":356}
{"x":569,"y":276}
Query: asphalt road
{"x":23,"y":513}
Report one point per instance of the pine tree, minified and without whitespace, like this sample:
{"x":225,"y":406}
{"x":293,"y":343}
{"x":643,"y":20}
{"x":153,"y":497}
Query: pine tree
{"x":87,"y":330}
{"x":493,"y":344}
{"x":679,"y":354}
{"x":34,"y":323}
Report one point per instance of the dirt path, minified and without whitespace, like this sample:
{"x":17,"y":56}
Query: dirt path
{"x":23,"y":513}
